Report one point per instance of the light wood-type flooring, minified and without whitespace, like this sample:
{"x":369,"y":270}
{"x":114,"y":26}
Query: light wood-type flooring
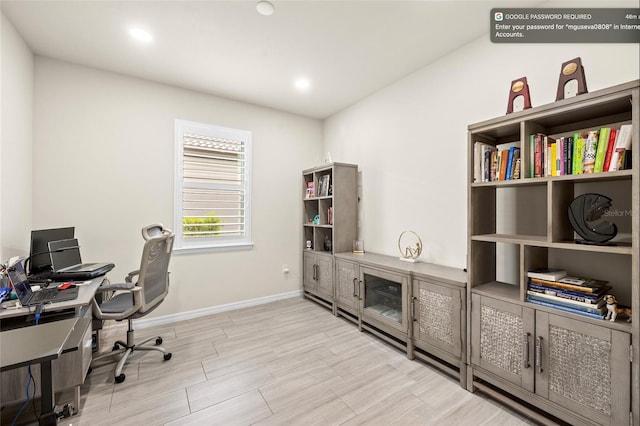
{"x":289,"y":362}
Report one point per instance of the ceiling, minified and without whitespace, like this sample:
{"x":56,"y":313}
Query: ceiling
{"x":347,"y":49}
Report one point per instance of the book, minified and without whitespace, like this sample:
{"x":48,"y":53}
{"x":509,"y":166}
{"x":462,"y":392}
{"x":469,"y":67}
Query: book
{"x":549,"y":274}
{"x":479,"y":150}
{"x":553,"y":158}
{"x":549,"y":155}
{"x":586,"y":307}
{"x":591,"y":286}
{"x":504,"y":154}
{"x":538,"y":155}
{"x":564,"y":308}
{"x":578,"y":153}
{"x":623,"y":142}
{"x":560,"y":147}
{"x":590,"y":140}
{"x":486,"y":167}
{"x":532,"y":157}
{"x":514,"y":154}
{"x":601,"y":150}
{"x":495,"y":171}
{"x":516,"y":169}
{"x":311,"y":189}
{"x":568,"y":156}
{"x":591,"y":298}
{"x":610,"y":148}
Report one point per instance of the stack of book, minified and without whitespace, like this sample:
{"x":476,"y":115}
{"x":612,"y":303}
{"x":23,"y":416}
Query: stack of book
{"x":553,"y":288}
{"x":594,"y":151}
{"x":496,"y":163}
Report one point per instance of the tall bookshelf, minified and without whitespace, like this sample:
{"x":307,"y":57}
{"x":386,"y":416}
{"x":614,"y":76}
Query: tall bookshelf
{"x":579,"y":369}
{"x":329,"y":225}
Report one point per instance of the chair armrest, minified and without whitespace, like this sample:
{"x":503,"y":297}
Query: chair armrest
{"x":129,"y":278}
{"x":117,"y":286}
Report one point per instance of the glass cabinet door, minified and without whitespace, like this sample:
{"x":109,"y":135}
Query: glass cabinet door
{"x":385,"y":298}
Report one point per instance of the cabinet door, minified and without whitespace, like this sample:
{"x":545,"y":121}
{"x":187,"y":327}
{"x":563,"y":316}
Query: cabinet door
{"x":324,"y":275}
{"x":385,"y":298}
{"x":347,"y":286}
{"x":585,"y":368}
{"x":309,"y":275}
{"x":437,"y":312}
{"x":502,"y":337}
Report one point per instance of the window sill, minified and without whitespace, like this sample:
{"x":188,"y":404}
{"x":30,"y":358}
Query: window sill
{"x":207,"y":249}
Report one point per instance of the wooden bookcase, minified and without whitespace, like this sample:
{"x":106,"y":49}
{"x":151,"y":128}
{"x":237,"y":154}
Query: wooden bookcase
{"x":582,"y":370}
{"x":334,"y":206}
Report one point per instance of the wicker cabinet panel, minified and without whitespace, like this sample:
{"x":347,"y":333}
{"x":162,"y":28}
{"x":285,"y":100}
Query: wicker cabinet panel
{"x":324,"y":276}
{"x":584,"y":368}
{"x":309,"y":274}
{"x":502,"y":340}
{"x":437,"y":311}
{"x":347,"y":283}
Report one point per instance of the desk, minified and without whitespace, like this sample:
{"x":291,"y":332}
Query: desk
{"x":86,"y":293}
{"x":70,"y":368}
{"x":40,"y":344}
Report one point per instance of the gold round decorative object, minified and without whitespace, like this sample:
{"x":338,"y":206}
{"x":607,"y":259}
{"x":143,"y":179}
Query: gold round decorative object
{"x":517,"y":86}
{"x":570,"y":68}
{"x":408,"y":251}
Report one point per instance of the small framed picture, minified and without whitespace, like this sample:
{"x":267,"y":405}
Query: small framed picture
{"x":324,"y":186}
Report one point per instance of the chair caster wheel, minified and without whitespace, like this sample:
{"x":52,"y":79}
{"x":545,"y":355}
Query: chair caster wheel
{"x":159,"y":341}
{"x":115,"y":347}
{"x":120,"y":378}
{"x":167,"y":357}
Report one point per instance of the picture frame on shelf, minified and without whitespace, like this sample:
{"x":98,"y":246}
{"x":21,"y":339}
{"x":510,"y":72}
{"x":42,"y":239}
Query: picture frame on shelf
{"x":324,"y":186}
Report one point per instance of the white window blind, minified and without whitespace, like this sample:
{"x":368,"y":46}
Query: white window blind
{"x":213,"y":186}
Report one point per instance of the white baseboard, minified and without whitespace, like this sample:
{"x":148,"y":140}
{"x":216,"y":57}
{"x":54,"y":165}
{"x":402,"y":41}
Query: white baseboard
{"x":168,"y":319}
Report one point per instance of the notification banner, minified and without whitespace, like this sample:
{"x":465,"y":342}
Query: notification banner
{"x":591,"y":25}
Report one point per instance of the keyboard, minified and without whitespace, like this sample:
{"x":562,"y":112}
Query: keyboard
{"x":44,"y":295}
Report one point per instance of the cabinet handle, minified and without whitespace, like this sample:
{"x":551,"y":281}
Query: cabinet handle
{"x":315,"y":272}
{"x":413,"y":308}
{"x":539,"y":354}
{"x":355,"y":283}
{"x":359,"y":286}
{"x":525,"y":358}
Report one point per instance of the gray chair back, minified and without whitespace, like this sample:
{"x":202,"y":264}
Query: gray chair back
{"x":154,"y":269}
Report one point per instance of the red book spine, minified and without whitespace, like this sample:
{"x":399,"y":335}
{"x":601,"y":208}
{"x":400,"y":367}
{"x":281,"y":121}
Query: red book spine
{"x":610,"y":146}
{"x":537,"y":165}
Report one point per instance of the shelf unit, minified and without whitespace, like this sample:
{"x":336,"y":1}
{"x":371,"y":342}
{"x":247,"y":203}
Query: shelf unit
{"x":329,"y":225}
{"x":518,"y":225}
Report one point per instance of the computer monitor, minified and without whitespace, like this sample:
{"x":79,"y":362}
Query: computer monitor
{"x":39,"y":257}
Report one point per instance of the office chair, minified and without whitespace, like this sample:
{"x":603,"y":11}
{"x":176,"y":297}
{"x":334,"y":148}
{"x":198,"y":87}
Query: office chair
{"x":136,"y":299}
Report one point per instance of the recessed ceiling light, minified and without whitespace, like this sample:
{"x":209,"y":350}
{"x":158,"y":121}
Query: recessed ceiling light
{"x":140,"y":35}
{"x":302,"y":84}
{"x":265,"y":8}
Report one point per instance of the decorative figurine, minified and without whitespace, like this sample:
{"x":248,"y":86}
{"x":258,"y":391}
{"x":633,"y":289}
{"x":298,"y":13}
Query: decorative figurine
{"x":613,"y":309}
{"x":409,"y":252}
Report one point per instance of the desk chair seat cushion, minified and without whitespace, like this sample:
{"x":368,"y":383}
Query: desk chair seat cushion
{"x":118,"y":303}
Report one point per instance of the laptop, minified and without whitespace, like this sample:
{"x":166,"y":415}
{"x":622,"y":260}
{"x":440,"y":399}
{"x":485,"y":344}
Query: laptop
{"x":65,"y":258}
{"x":39,"y":260}
{"x":27,"y":297}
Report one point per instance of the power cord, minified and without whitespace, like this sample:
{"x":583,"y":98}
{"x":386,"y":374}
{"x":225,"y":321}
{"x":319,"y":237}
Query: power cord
{"x":15,"y":419}
{"x":38,"y":312}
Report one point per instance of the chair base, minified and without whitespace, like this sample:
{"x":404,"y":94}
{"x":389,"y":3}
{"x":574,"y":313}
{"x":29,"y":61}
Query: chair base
{"x":127,"y":348}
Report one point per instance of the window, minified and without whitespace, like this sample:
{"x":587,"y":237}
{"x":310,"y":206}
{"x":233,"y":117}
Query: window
{"x":213,"y":182}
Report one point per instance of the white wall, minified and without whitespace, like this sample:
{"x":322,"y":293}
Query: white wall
{"x":110,"y":139}
{"x":410,"y":138}
{"x":16,"y":124}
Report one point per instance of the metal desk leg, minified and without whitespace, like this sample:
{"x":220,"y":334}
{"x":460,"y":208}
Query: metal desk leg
{"x":48,"y":416}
